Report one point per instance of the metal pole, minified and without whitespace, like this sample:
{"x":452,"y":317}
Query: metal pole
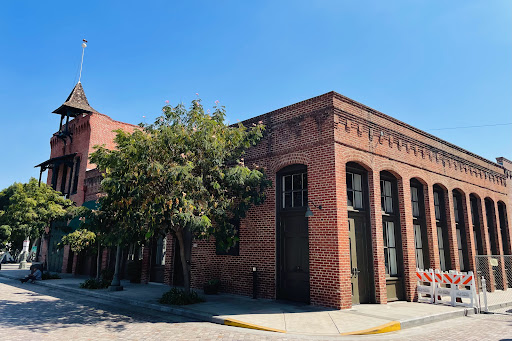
{"x":116,"y":283}
{"x":254,"y":282}
{"x":484,"y":292}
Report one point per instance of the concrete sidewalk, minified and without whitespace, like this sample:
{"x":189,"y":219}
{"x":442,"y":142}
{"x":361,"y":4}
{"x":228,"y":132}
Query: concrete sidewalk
{"x":284,"y":317}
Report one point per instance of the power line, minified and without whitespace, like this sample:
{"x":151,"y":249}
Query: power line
{"x":478,"y":126}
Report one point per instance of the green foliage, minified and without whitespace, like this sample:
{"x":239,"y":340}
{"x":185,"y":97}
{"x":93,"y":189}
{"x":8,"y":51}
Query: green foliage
{"x":28,"y":208}
{"x":184,"y":172}
{"x":79,"y":240}
{"x":134,"y":271}
{"x":5,"y":233}
{"x":177,"y":296}
{"x":49,"y":275}
{"x":93,"y":283}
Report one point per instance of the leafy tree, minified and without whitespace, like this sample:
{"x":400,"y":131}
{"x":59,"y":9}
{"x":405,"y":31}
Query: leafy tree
{"x":184,"y":174}
{"x":27,"y":208}
{"x":5,"y":233}
{"x":79,"y":240}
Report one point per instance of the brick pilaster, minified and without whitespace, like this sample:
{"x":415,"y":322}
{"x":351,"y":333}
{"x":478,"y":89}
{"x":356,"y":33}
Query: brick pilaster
{"x":379,"y":267}
{"x":65,"y":259}
{"x":502,"y":279}
{"x":452,"y":230}
{"x":104,"y":258}
{"x":343,"y":235}
{"x":482,"y":215}
{"x":430,"y":220}
{"x":169,"y":259}
{"x":468,"y":229}
{"x":407,"y":231}
{"x":75,"y":261}
{"x":146,"y":254}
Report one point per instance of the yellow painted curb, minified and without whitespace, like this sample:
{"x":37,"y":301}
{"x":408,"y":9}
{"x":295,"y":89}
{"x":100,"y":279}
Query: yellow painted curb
{"x":241,"y":324}
{"x":384,"y":328}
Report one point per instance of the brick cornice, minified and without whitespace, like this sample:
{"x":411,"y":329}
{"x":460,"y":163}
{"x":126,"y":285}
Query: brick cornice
{"x":405,"y":125}
{"x":375,"y":129}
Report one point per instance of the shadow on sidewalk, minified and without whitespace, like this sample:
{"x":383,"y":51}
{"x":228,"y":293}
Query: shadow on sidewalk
{"x":40,"y":309}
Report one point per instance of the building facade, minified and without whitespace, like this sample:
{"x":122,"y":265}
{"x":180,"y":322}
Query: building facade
{"x":358,"y":201}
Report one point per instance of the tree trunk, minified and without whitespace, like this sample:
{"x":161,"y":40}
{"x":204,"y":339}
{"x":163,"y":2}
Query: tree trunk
{"x":185,"y":241}
{"x":116,"y":282}
{"x":98,"y":262}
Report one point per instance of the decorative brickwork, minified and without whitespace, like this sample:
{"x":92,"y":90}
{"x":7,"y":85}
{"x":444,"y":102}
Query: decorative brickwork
{"x":325,"y":133}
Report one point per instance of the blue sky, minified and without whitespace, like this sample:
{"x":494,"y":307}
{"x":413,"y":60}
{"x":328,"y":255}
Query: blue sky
{"x":432,"y":64}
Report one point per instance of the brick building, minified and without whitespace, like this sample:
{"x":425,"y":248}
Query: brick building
{"x":359,"y":201}
{"x":69,"y":170}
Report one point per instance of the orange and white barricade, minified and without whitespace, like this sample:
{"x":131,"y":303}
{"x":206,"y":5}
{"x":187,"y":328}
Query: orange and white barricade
{"x":451,"y":288}
{"x":425,"y":285}
{"x":464,"y":290}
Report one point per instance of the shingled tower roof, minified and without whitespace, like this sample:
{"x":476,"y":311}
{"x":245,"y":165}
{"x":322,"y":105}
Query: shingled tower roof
{"x":76,"y":103}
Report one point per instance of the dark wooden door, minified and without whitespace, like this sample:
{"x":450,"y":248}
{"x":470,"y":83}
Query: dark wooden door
{"x":294,"y":257}
{"x":359,"y":260}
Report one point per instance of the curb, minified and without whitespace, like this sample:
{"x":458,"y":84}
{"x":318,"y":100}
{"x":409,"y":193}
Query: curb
{"x":384,"y":328}
{"x":392,"y":326}
{"x":241,"y":324}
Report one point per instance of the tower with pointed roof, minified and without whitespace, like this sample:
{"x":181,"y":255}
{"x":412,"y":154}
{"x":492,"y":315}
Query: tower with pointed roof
{"x":69,"y":170}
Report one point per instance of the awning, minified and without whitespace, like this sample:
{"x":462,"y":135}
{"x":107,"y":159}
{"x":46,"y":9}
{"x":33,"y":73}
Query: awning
{"x":56,"y":160}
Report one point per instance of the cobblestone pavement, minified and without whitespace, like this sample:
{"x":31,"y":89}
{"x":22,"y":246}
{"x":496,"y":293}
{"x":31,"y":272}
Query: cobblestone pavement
{"x":31,"y":312}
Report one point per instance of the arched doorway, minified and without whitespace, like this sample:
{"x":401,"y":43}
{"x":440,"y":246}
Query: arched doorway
{"x":393,"y":252}
{"x":358,"y":206}
{"x":442,"y":227}
{"x":419,"y":224}
{"x":460,"y":229}
{"x":292,"y":234}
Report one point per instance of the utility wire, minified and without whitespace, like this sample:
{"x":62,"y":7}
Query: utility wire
{"x":478,"y":126}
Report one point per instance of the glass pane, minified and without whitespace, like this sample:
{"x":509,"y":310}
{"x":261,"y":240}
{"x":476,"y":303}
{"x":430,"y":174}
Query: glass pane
{"x":287,"y":200}
{"x":392,"y":262}
{"x":414,"y":194}
{"x":287,"y":183}
{"x":349,"y":181}
{"x":461,"y":261}
{"x":438,"y":212}
{"x":304,"y":198}
{"x":440,"y":242}
{"x":350,"y":199}
{"x":297,"y":181}
{"x":357,"y":182}
{"x":385,"y":234}
{"x":419,"y":259}
{"x":415,"y":209}
{"x":389,"y":204}
{"x":459,"y":240}
{"x":390,"y":226}
{"x":417,"y":236}
{"x":358,"y":199}
{"x":387,"y":188}
{"x":382,"y":204}
{"x":305,"y":180}
{"x":436,"y":198}
{"x":297,"y":199}
{"x":386,"y":261}
{"x":475,"y":241}
{"x":442,"y":260}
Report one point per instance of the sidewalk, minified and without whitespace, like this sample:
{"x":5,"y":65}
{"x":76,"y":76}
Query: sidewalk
{"x":284,"y":317}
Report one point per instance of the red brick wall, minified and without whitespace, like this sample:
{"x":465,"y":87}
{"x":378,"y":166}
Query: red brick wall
{"x":325,"y":133}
